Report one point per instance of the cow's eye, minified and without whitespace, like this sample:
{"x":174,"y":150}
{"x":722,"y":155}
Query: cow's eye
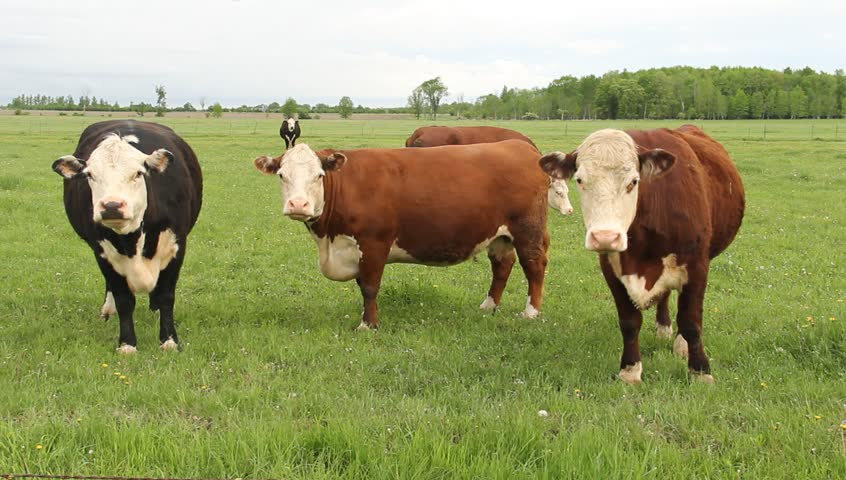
{"x":578,"y":180}
{"x":87,"y":174}
{"x":139,"y":175}
{"x":631,"y":185}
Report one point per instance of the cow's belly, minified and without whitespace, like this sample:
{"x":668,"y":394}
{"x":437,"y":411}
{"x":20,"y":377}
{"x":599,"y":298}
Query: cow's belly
{"x":338,"y":258}
{"x":499,"y":241}
{"x":673,"y":277}
{"x":141,"y":273}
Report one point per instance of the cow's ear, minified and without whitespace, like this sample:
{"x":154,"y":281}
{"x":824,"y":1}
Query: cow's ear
{"x":68,"y":166}
{"x":559,"y":165}
{"x":654,"y":163}
{"x":268,"y":165}
{"x":159,"y":160}
{"x":333,"y":161}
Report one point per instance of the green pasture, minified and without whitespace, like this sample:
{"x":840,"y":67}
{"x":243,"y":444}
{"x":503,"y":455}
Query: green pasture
{"x":273,"y":382}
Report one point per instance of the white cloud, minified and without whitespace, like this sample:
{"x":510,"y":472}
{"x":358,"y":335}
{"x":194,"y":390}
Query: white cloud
{"x":255,"y":51}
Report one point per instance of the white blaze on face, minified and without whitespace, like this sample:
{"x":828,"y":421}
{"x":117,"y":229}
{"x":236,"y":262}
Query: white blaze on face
{"x":558,"y":196}
{"x":115,"y":171}
{"x":301,"y":175}
{"x":608,"y":177}
{"x":291,"y":122}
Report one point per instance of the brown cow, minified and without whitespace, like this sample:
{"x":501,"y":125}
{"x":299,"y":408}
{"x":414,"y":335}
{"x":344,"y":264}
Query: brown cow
{"x":435,"y":206}
{"x":435,"y":136}
{"x":658,"y":206}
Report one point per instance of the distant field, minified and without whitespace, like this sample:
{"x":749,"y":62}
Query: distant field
{"x":274,"y":383}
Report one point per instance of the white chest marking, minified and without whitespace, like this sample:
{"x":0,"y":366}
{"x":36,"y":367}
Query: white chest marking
{"x":142,"y":273}
{"x":673,"y":277}
{"x":338,"y":258}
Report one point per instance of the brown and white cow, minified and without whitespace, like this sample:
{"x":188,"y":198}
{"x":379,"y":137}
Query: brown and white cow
{"x":436,"y":206}
{"x":435,"y":136}
{"x":658,"y":205}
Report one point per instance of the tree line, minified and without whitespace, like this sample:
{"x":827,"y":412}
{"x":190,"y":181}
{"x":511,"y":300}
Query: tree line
{"x":671,"y":93}
{"x":657,"y":93}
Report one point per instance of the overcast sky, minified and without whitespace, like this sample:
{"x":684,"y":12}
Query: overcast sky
{"x":259,"y":51}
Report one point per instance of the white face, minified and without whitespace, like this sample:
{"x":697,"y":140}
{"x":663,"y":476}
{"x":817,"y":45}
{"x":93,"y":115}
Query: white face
{"x":116,"y":172}
{"x":291,"y":123}
{"x":608,"y":177}
{"x":558,"y":196}
{"x":301,"y":176}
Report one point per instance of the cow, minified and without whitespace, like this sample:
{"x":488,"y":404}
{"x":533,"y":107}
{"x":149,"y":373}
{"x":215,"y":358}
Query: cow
{"x":290,"y":132}
{"x":434,"y":136}
{"x":436,"y":206}
{"x":658,"y":206}
{"x":132,"y":192}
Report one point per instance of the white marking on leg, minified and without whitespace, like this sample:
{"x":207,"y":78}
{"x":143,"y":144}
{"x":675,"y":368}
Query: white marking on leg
{"x":631,"y":374}
{"x":362,"y":326}
{"x":169,"y":345}
{"x":530,"y":311}
{"x":108,"y":308}
{"x":125,"y":349}
{"x":680,"y":346}
{"x":488,"y":304}
{"x":701,"y":377}
{"x":663,"y":331}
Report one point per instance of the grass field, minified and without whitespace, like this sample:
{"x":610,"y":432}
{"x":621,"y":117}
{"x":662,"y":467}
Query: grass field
{"x":274,"y":383}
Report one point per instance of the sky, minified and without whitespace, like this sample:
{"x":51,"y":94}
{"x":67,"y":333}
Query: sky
{"x":259,"y":51}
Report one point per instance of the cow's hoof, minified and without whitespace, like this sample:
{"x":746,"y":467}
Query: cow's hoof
{"x":125,"y":349}
{"x":362,"y":327}
{"x":680,"y":346}
{"x":169,"y":345}
{"x":488,"y":304}
{"x":702,"y":377}
{"x":664,"y":331}
{"x":530,"y":311}
{"x":108,"y":309}
{"x":631,"y":374}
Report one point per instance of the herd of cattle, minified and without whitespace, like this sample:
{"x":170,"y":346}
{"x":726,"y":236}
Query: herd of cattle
{"x":658,"y":205}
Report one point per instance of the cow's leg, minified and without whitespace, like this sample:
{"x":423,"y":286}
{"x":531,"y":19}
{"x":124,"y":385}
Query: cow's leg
{"x":287,"y":142}
{"x":108,"y":309}
{"x":663,"y":325}
{"x":163,"y":297}
{"x":689,"y":321}
{"x":501,"y":254}
{"x":294,"y":141}
{"x":630,"y":320}
{"x":532,"y":253}
{"x":125,"y":303}
{"x":370,"y":269}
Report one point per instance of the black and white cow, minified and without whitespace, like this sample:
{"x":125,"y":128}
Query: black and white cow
{"x":290,"y":132}
{"x":133,"y":190}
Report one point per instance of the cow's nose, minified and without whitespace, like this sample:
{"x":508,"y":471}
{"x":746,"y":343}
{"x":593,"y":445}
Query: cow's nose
{"x":297,"y":205}
{"x":112,"y":205}
{"x":606,"y":240}
{"x":568,"y":211}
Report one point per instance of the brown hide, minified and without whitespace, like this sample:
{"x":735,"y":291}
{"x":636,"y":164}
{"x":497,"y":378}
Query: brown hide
{"x":433,"y":136}
{"x":438,"y":204}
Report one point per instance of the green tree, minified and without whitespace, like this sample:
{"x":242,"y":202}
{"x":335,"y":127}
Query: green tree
{"x":434,"y":91}
{"x":798,"y":103}
{"x":161,"y":102}
{"x":216,"y":110}
{"x":739,"y":105}
{"x":290,"y":107}
{"x":417,"y":101}
{"x":345,"y":107}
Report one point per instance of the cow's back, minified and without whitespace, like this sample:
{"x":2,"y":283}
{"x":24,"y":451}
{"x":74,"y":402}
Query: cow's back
{"x":433,"y":136}
{"x":723,"y":186}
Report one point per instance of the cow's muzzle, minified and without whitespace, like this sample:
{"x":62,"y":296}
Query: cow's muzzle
{"x":606,"y":241}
